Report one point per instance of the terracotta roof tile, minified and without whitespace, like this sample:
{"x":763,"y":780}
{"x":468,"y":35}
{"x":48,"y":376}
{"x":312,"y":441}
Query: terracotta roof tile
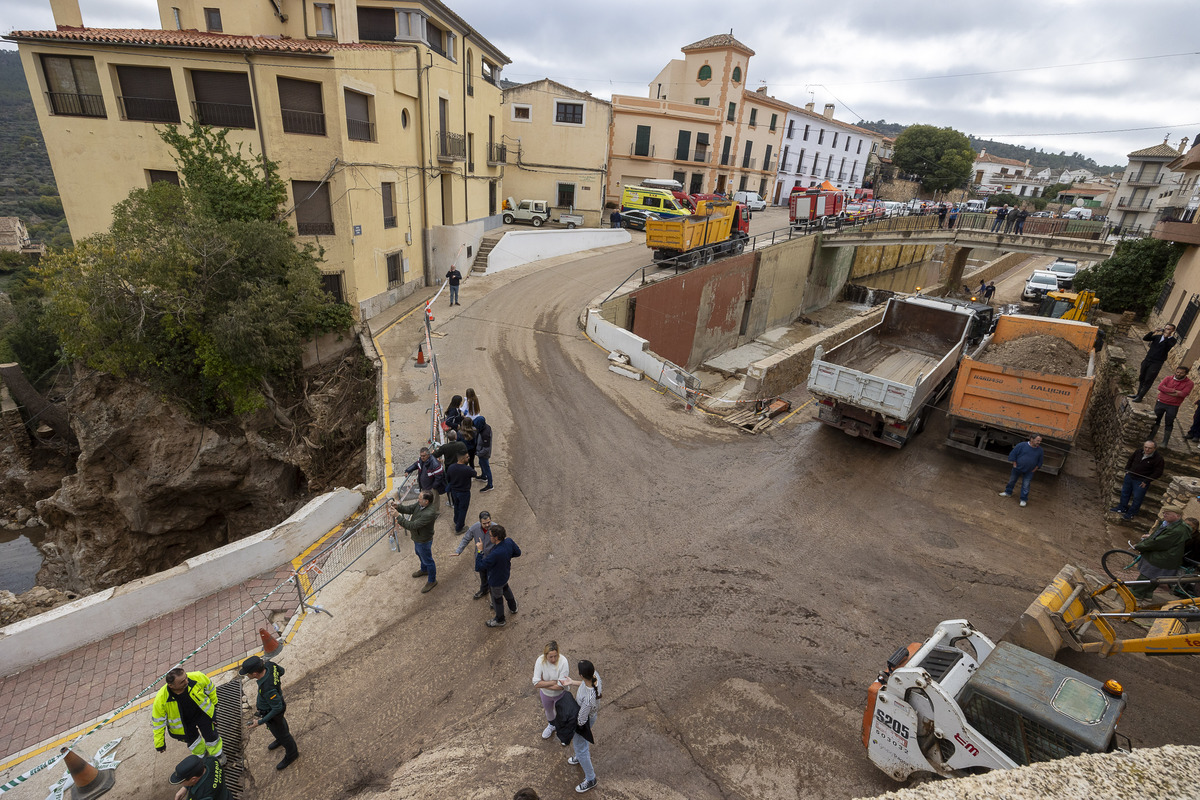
{"x":720,"y":40}
{"x":1163,"y":150}
{"x":190,"y":38}
{"x":987,"y":159}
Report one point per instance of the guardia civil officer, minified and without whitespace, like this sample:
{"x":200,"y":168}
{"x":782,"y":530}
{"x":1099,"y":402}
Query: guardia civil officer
{"x":271,"y":706}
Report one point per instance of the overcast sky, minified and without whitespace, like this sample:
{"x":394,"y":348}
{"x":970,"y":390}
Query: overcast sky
{"x":876,"y":59}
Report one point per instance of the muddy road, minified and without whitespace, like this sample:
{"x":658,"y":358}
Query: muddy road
{"x":736,"y":593}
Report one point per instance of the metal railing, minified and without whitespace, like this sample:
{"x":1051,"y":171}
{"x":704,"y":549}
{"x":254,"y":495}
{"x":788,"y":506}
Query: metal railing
{"x":726,"y":159}
{"x":489,"y":79}
{"x":306,"y":122}
{"x":1141,"y":180}
{"x":389,"y":222}
{"x":470,"y":90}
{"x":452,"y":146}
{"x":1125,"y":202}
{"x":641,"y":152}
{"x":497,"y":154}
{"x":771,"y":165}
{"x":149,"y":109}
{"x":360,"y":130}
{"x":224,"y":115}
{"x":749,"y":162}
{"x":315,"y":228}
{"x":352,"y":544}
{"x":70,"y":104}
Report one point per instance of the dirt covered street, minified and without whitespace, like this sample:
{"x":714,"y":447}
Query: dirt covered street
{"x":737,"y":594}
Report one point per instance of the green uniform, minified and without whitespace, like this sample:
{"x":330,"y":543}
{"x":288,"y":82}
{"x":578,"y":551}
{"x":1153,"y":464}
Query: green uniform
{"x":211,"y":785}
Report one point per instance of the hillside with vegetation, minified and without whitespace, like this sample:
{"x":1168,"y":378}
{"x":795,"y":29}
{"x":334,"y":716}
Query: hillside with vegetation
{"x":27,"y":188}
{"x":1036,"y":157}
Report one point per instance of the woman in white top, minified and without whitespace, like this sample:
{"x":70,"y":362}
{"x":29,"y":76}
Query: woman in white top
{"x":588,"y":697}
{"x":548,"y":672}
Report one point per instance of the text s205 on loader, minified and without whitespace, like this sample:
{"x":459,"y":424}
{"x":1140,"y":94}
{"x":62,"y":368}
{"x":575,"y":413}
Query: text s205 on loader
{"x":958,"y":704}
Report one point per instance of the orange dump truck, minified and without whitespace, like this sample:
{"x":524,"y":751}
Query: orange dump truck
{"x":718,"y":228}
{"x":994,"y":407}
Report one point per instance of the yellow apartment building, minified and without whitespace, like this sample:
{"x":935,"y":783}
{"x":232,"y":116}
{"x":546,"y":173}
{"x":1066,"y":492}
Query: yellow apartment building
{"x":383,"y":116}
{"x":699,"y":125}
{"x":557,"y":148}
{"x":1179,"y":302}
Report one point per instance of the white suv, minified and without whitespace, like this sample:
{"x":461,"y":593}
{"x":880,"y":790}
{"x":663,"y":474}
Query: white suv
{"x":1039,"y":283}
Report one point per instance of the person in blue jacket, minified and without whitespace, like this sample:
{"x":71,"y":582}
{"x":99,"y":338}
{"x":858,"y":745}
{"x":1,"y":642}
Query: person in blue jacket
{"x":1026,"y":458}
{"x":498,"y":564}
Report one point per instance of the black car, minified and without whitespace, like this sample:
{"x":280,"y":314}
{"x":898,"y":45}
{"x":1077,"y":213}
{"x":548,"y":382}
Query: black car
{"x":635,"y":218}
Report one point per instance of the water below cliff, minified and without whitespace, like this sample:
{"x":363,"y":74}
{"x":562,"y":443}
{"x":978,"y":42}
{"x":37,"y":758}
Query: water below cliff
{"x":20,"y":559}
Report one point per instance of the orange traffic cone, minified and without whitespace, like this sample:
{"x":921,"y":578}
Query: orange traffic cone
{"x":89,"y":781}
{"x":270,"y":644}
{"x":429,"y":313}
{"x":421,"y":355}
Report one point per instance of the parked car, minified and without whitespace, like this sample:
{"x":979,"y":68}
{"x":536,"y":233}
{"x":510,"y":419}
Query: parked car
{"x":536,"y":212}
{"x":1040,"y":282}
{"x":750,"y":200}
{"x":1065,"y":269}
{"x":636,"y":219}
{"x":1041,"y":214}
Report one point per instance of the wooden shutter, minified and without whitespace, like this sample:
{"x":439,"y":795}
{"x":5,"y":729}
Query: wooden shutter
{"x":313,"y":214}
{"x":148,"y":93}
{"x":357,"y":107}
{"x":377,"y":24}
{"x":231,"y":88}
{"x":297,"y":95}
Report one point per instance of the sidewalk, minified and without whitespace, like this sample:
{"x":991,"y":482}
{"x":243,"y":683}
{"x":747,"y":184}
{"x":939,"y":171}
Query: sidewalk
{"x":58,"y":696}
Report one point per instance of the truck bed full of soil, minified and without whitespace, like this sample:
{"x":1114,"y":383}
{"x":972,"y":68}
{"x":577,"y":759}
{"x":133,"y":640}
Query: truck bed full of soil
{"x":1038,"y":352}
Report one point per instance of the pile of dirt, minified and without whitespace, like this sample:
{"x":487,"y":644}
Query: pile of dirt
{"x":1038,"y":352}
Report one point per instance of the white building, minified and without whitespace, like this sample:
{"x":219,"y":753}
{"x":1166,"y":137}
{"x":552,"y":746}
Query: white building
{"x":1149,"y":187}
{"x":995,"y":175}
{"x":818,"y":148}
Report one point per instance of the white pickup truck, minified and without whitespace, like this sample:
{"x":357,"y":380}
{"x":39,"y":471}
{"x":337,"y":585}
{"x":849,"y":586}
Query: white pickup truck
{"x":536,"y":212}
{"x":882,"y":383}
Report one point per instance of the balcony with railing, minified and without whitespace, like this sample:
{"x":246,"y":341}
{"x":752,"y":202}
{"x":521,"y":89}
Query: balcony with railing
{"x":489,"y":78}
{"x":470,"y":89}
{"x":497,"y":154}
{"x":314,"y":228}
{"x":770,"y":165}
{"x":360,"y":130}
{"x":452,"y":146}
{"x":749,"y":162}
{"x":149,"y":109}
{"x":70,"y":104}
{"x":1144,"y":180}
{"x":1125,"y":204}
{"x":1179,"y":232}
{"x":224,"y":115}
{"x":841,"y":176}
{"x":311,"y":123}
{"x":726,"y":159}
{"x":644,"y":151}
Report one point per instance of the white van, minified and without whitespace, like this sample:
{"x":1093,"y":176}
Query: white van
{"x":976,"y":205}
{"x":1078,"y":213}
{"x":750,"y":200}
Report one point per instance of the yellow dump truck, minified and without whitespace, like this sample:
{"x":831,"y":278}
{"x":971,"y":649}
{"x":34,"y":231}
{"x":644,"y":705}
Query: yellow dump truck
{"x":993,"y":406}
{"x":718,"y":228}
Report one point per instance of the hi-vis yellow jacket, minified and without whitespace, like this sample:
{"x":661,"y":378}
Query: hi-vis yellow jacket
{"x":164,"y":716}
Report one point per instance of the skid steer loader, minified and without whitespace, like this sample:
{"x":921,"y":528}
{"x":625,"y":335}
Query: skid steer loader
{"x":958,"y":704}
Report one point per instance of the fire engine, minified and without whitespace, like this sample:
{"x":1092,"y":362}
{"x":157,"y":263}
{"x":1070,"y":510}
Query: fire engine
{"x":807,"y":207}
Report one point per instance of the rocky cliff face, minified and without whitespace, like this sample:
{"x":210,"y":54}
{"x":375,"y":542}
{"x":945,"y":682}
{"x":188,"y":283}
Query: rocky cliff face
{"x":153,"y":487}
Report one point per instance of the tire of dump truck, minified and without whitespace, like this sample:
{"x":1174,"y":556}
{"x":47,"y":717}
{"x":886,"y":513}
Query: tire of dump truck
{"x":739,"y":247}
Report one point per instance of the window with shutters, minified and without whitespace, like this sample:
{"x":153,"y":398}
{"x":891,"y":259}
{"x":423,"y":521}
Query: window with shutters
{"x":566,"y":195}
{"x":835,"y":135}
{"x":395,"y":269}
{"x":162,"y":175}
{"x":377,"y":24}
{"x":737,"y":74}
{"x":641,"y":142}
{"x":747,"y":161}
{"x":753,"y":118}
{"x":332,"y":283}
{"x":314,"y":216}
{"x":705,"y":73}
{"x":806,"y":129}
{"x":388,"y":190}
{"x":73,"y":88}
{"x":222,"y":99}
{"x":358,"y":117}
{"x":732,"y":115}
{"x":301,"y":108}
{"x":212,"y":19}
{"x":323,"y":17}
{"x":774,"y":122}
{"x":701,"y":101}
{"x":147,"y":94}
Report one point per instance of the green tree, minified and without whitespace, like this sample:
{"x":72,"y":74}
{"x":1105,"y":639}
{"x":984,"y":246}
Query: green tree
{"x":1039,"y":203}
{"x":1002,"y":199}
{"x":1053,"y":189}
{"x":941,"y":157}
{"x":229,"y":185}
{"x":1133,"y":278}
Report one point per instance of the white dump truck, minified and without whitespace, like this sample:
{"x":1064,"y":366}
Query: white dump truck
{"x":882,"y":383}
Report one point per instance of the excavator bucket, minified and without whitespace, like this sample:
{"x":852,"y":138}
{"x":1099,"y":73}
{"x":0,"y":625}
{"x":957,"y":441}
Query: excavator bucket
{"x":1036,"y":629}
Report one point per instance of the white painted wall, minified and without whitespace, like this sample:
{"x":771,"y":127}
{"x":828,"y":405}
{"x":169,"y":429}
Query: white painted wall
{"x":610,"y":336}
{"x":97,"y":616}
{"x":523,"y":247}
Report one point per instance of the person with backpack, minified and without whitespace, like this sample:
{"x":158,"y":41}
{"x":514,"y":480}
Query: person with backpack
{"x":588,"y":697}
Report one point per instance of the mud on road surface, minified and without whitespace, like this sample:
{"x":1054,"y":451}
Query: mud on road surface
{"x":737,"y":594}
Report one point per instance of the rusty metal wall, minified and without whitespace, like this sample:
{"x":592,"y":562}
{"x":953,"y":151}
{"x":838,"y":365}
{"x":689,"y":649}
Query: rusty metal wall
{"x":696,"y":314}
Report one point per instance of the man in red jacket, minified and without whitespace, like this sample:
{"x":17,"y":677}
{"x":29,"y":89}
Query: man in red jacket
{"x":1171,"y":393}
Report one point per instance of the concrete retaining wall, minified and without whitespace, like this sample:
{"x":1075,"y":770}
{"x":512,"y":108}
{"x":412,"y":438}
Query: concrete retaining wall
{"x":89,"y":619}
{"x":524,"y":247}
{"x":328,"y":347}
{"x":609,"y":335}
{"x":789,"y":368}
